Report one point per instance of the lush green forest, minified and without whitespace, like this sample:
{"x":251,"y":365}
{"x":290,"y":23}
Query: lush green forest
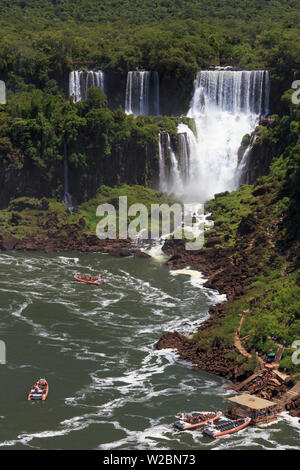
{"x":104,"y":146}
{"x":40,"y":40}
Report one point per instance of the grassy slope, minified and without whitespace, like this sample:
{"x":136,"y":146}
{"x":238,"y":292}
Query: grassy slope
{"x":269,"y":249}
{"x":29,"y":217}
{"x":135,"y":195}
{"x":273,"y":297}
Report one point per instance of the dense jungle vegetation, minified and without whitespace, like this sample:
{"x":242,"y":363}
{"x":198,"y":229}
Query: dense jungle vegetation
{"x":103,"y":146}
{"x":40,"y":40}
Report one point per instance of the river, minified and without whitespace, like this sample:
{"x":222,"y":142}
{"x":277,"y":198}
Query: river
{"x":109,"y":387}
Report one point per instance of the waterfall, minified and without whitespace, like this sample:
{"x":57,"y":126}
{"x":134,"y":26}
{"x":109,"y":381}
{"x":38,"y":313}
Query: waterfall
{"x":142,"y":93}
{"x":187,"y":152}
{"x":233,"y":91}
{"x":2,"y":92}
{"x":67,"y":199}
{"x":163,"y":163}
{"x":225,"y":106}
{"x":169,"y":174}
{"x":175,"y":183}
{"x":184,"y":156}
{"x":242,"y":173}
{"x":80,"y":81}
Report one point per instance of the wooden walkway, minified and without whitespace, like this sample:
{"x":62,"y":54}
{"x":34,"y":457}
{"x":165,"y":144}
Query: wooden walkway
{"x":243,"y":352}
{"x":238,"y":387}
{"x":295,"y":391}
{"x":290,"y":395}
{"x":240,"y":347}
{"x":278,"y":357}
{"x":237,"y":341}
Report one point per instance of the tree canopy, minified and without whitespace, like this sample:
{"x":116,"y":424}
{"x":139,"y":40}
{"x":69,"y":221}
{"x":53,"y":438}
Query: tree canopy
{"x":40,"y":40}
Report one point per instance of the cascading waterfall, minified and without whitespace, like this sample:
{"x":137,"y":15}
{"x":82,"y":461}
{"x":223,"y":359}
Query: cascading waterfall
{"x":188,"y":149}
{"x":233,"y":91}
{"x":242,"y":173}
{"x":80,"y":81}
{"x":169,"y":175}
{"x":163,"y":163}
{"x":67,"y":199}
{"x":183,"y":155}
{"x":2,"y":92}
{"x":142,"y":93}
{"x":226,"y":105}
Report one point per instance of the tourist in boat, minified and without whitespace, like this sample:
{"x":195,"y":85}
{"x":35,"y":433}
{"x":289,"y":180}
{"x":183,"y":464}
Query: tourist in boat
{"x":37,"y":389}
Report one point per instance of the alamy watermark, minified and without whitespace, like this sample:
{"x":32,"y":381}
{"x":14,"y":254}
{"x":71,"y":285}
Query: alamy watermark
{"x":2,"y":353}
{"x":296,"y":94}
{"x":296,"y":354}
{"x":181,"y":222}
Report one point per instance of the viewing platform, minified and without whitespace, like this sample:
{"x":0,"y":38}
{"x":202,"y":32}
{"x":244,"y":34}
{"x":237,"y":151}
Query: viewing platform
{"x":260,"y":411}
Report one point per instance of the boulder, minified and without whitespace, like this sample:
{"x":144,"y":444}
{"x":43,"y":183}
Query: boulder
{"x":8,"y":241}
{"x":140,"y":254}
{"x":119,"y":252}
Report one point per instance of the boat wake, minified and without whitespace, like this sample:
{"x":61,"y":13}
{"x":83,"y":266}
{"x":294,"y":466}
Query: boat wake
{"x":109,"y":386}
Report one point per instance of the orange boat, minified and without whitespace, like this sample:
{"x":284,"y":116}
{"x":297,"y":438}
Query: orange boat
{"x":192,"y":422}
{"x":226,"y":428}
{"x":96,"y":281}
{"x":39,"y":391}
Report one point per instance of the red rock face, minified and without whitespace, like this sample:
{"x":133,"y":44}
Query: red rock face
{"x":212,"y":361}
{"x":218,"y":265}
{"x":294,"y":407}
{"x":8,"y":242}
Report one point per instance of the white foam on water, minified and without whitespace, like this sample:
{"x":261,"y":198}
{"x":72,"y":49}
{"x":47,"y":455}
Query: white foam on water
{"x":197,"y":279}
{"x":148,"y":292}
{"x":157,"y":253}
{"x":290,"y":420}
{"x":134,"y":373}
{"x":146,"y":439}
{"x":86,"y":355}
{"x":69,"y":261}
{"x":6,"y":259}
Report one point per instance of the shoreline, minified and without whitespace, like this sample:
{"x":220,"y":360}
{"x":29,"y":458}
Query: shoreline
{"x":214,"y":266}
{"x":215,"y":359}
{"x":85,"y":245}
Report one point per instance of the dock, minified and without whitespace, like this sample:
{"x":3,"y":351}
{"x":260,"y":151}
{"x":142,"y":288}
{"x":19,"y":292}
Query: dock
{"x":260,"y":411}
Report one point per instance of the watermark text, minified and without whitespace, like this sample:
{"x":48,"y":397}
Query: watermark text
{"x":296,"y":94}
{"x":181,"y":222}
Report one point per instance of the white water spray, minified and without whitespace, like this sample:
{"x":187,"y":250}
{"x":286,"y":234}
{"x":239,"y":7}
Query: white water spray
{"x":142,"y":93}
{"x":242,"y":171}
{"x":169,"y":174}
{"x":226,"y":105}
{"x":80,"y":81}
